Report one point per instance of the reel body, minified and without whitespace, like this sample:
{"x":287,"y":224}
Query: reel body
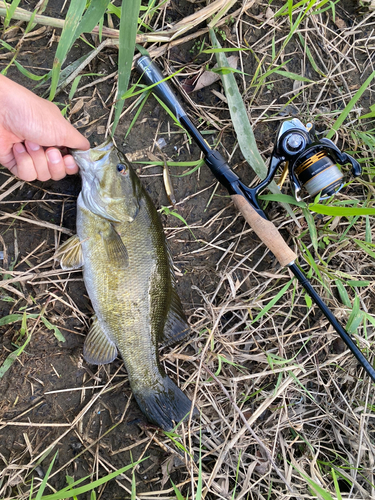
{"x":312,"y":163}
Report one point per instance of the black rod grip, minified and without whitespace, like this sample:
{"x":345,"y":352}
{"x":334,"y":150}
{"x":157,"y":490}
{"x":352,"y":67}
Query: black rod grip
{"x":151,"y":74}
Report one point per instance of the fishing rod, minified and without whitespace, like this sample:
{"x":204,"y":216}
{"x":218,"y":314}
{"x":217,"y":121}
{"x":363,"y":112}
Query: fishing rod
{"x":311,"y":163}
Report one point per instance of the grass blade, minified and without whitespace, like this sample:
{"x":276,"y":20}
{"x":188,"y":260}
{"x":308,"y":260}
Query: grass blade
{"x":128,"y":32}
{"x":10,"y":12}
{"x":283,"y":198}
{"x":310,"y":56}
{"x":11,"y":318}
{"x":340,"y":120}
{"x":272,"y":302}
{"x":312,"y":228}
{"x":134,"y":489}
{"x":56,"y":331}
{"x":293,"y":76}
{"x":91,"y":18}
{"x":45,"y":479}
{"x":340,"y":211}
{"x":245,"y":135}
{"x":74,"y":26}
{"x":343,"y":294}
{"x":365,"y":247}
{"x":241,"y":124}
{"x":355,"y":318}
{"x":68,"y":493}
{"x":72,"y":22}
{"x":11,"y":358}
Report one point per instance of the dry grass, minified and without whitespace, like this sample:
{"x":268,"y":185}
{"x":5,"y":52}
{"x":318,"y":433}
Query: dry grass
{"x":280,"y":398}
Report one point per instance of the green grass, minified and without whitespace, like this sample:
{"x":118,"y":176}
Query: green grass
{"x":73,"y":489}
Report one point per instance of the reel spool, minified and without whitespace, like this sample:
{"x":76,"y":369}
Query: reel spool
{"x":312,"y":163}
{"x":318,"y":173}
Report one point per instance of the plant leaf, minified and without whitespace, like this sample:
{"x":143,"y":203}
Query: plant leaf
{"x":71,"y":25}
{"x":91,"y":18}
{"x":56,"y":331}
{"x":272,"y":302}
{"x":128,"y":32}
{"x":312,"y":228}
{"x":340,"y":211}
{"x":349,"y":106}
{"x":11,"y":358}
{"x":283,"y":198}
{"x":355,"y":318}
{"x":244,"y":132}
{"x":293,"y":76}
{"x":68,"y":493}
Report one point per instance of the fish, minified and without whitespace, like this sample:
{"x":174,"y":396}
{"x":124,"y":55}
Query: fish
{"x":128,"y":273}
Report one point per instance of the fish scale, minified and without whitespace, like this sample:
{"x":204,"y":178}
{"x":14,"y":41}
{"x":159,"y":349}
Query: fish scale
{"x":129,"y":278}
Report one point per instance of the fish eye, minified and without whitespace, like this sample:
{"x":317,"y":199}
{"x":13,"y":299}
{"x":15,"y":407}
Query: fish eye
{"x":120,"y":167}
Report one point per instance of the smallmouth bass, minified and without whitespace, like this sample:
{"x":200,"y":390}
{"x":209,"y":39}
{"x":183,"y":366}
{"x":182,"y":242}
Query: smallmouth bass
{"x":127,"y":270}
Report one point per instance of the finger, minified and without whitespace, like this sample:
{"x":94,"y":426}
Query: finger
{"x":8,"y":160}
{"x":55,"y":164}
{"x":39,"y":159}
{"x":25,"y":164}
{"x":73,"y":139}
{"x":70,"y":165}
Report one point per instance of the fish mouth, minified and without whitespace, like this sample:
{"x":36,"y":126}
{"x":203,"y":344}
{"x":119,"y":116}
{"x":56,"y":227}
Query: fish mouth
{"x":95,"y":157}
{"x":90,"y":163}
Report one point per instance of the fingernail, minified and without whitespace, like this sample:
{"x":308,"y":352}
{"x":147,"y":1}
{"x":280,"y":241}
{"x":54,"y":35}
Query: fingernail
{"x":54,"y":156}
{"x":19,"y":148}
{"x":69,"y":162}
{"x":33,"y":146}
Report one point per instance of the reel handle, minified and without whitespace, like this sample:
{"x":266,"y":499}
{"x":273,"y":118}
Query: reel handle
{"x":266,"y":231}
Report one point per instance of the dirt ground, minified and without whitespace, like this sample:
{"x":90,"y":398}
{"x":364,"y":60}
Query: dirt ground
{"x":88,"y":412}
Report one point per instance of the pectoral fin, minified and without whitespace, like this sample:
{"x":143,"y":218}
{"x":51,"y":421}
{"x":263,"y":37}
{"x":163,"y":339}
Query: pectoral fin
{"x":98,"y":348}
{"x":133,"y":210}
{"x":115,"y":248}
{"x":70,"y":254}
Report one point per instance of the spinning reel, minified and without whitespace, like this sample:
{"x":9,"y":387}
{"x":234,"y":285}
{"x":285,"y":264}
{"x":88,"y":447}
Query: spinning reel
{"x":311,"y":163}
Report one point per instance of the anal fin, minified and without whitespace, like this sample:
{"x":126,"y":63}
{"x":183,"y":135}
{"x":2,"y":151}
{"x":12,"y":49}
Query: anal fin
{"x":69,"y":254}
{"x":98,"y":348}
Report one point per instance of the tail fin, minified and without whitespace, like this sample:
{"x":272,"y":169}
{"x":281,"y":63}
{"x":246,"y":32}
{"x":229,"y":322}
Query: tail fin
{"x":164,"y":404}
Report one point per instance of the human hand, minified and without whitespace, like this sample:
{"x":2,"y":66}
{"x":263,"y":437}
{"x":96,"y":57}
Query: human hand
{"x":29,"y":126}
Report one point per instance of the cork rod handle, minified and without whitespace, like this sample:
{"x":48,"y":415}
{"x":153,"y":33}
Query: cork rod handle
{"x":265,"y":230}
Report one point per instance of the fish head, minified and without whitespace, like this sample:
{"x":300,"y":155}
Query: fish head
{"x":110,"y":188}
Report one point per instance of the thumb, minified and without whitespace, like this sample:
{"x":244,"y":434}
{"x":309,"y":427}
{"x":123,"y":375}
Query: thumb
{"x":72,"y":138}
